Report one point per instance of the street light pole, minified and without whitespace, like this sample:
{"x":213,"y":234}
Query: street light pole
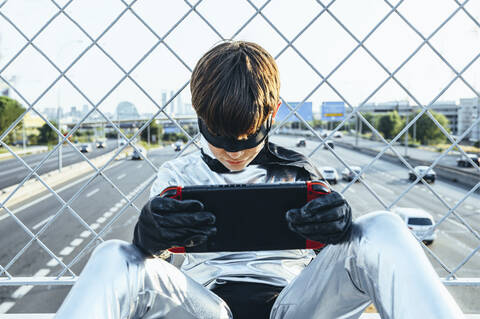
{"x":406,"y":137}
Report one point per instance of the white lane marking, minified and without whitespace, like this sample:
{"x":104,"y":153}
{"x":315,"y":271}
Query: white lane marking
{"x":93,"y":192}
{"x":53,"y":262}
{"x":76,"y":242}
{"x":107,"y":214}
{"x":43,"y":222}
{"x":469,"y":207}
{"x":121,"y":176}
{"x":118,"y":205}
{"x":139,"y":165}
{"x":113,"y":210}
{"x":38,"y":200}
{"x":66,"y":251}
{"x":85,"y":234}
{"x":458,"y":242}
{"x":385,"y":188}
{"x":101,"y":220}
{"x":123,"y":201}
{"x":448,"y":199}
{"x":5,"y":306}
{"x":456,"y":223}
{"x":94,"y":226}
{"x":23,"y":290}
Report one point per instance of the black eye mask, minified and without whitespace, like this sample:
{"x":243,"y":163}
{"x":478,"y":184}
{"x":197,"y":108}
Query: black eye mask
{"x":231,"y":144}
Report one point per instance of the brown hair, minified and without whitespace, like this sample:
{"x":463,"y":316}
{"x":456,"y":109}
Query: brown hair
{"x":235,"y":86}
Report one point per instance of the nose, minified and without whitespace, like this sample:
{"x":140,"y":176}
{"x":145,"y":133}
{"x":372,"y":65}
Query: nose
{"x":235,"y":155}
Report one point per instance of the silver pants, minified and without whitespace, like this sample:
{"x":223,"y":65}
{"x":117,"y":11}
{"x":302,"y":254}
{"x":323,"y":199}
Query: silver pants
{"x":382,"y":263}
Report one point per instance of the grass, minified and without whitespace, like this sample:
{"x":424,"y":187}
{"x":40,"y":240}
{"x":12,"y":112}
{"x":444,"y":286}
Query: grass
{"x":442,"y":147}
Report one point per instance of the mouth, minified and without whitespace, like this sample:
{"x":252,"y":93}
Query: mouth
{"x":235,"y":162}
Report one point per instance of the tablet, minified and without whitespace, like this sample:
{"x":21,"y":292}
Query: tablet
{"x":251,"y":216}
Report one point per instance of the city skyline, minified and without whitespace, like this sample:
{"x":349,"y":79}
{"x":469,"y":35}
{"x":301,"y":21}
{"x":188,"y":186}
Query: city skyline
{"x":324,"y":44}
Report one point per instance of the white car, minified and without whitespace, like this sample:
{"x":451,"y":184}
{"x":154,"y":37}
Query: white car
{"x":338,"y":134}
{"x":419,"y":222}
{"x":329,"y":174}
{"x":136,"y":153}
{"x":348,"y":175}
{"x":429,"y":176}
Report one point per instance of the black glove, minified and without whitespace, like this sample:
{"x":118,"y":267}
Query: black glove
{"x":165,"y":222}
{"x":326,"y":219}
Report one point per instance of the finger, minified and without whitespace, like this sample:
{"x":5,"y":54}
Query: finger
{"x":321,"y":229}
{"x":322,"y":215}
{"x":293,"y":215}
{"x":179,"y":235}
{"x":326,"y":201}
{"x":195,"y":240}
{"x":185,"y":219}
{"x":159,"y":205}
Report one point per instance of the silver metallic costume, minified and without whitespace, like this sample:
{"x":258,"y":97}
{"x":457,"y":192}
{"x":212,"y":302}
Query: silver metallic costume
{"x":382,"y":262}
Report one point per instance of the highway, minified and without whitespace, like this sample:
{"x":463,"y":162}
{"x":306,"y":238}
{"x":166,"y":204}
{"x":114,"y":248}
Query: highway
{"x":99,"y":203}
{"x":12,"y":171}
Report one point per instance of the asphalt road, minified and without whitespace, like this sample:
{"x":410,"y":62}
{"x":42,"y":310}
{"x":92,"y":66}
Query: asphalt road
{"x":12,"y":171}
{"x":99,"y":204}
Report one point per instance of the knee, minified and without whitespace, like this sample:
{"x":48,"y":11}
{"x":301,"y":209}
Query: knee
{"x":384,"y":229}
{"x":117,"y":252}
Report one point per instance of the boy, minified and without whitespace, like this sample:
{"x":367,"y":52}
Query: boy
{"x":235,"y":92}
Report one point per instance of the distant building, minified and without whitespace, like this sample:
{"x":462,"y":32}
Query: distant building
{"x":448,"y":108}
{"x":50,"y":113}
{"x":126,"y":111}
{"x":468,"y":113}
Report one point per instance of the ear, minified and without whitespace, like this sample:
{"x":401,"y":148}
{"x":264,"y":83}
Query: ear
{"x":275,"y":112}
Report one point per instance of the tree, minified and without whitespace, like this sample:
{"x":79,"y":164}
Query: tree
{"x":390,"y":124}
{"x":155,"y":130}
{"x":10,"y":110}
{"x":428,"y":132}
{"x":370,"y":117}
{"x":47,"y":134}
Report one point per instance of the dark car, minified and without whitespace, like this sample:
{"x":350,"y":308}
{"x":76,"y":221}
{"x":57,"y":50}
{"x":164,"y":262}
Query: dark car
{"x":85,"y":148}
{"x":464,"y":162}
{"x":330,"y":143}
{"x":301,"y":143}
{"x":178,"y":146}
{"x":349,"y":175}
{"x":429,"y":176}
{"x":100,"y":144}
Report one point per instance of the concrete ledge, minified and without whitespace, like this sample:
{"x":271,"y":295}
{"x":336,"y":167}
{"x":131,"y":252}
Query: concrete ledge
{"x":50,"y":316}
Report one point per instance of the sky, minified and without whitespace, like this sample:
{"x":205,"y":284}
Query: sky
{"x":323,"y":45}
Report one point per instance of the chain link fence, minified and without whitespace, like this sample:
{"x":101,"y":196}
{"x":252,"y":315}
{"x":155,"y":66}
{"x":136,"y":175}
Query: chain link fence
{"x":287,"y":39}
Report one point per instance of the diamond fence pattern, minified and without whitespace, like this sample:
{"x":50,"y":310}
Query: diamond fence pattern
{"x":67,"y":276}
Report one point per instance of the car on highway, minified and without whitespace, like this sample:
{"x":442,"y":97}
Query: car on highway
{"x":329,"y":174}
{"x":429,"y":176}
{"x":100,"y":144}
{"x":463,"y":161}
{"x":338,"y":134}
{"x":419,"y":222}
{"x":177,"y":146}
{"x":85,"y":148}
{"x":348,"y":175}
{"x":301,"y":143}
{"x":330,"y":143}
{"x":136,"y":153}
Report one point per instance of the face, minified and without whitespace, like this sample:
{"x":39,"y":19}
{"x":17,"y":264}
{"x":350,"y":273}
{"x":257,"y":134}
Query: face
{"x":236,"y":161}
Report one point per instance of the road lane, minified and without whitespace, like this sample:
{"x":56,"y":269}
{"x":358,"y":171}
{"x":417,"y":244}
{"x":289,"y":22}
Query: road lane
{"x":12,"y":171}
